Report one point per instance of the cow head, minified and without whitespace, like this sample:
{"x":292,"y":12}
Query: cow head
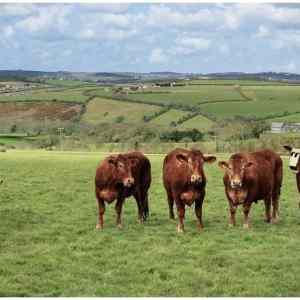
{"x":194,"y":161}
{"x":123,"y":167}
{"x":235,"y":169}
{"x":294,"y":162}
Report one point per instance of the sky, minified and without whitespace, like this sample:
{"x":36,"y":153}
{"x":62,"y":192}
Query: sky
{"x":145,"y":37}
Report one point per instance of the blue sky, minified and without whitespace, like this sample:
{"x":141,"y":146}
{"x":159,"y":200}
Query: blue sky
{"x":141,"y":37}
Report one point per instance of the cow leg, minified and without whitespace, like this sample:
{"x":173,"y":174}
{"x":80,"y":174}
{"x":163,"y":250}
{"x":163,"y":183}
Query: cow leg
{"x":275,"y":208}
{"x":118,"y":207}
{"x":198,"y":211}
{"x":101,"y":210}
{"x":232,"y":211}
{"x":138,"y":198}
{"x":181,"y":213}
{"x":146,"y":206}
{"x":171,"y":206}
{"x":246,"y":209}
{"x":268,"y":210}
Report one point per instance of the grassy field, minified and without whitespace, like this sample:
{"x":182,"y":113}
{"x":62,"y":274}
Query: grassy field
{"x":294,"y":118}
{"x":172,"y":115}
{"x":63,"y":95}
{"x":49,"y":245}
{"x":200,"y":122}
{"x":102,"y":110}
{"x":225,"y":100}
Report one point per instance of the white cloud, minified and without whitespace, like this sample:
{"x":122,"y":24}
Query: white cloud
{"x":161,"y":16}
{"x":67,"y":52}
{"x":105,"y":7}
{"x":291,"y":67}
{"x":8,"y":31}
{"x":87,"y":34}
{"x":158,"y":56}
{"x":196,"y":43}
{"x":224,"y":49}
{"x":48,"y":18}
{"x":286,"y":39}
{"x":187,"y":45}
{"x":262,"y":32}
{"x":16,"y":9}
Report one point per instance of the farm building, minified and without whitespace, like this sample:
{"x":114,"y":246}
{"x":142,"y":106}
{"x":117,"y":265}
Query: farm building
{"x":281,"y":127}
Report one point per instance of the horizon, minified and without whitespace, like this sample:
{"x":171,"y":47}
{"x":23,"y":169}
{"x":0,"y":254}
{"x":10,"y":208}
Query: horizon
{"x":163,"y":71}
{"x":143,"y":38}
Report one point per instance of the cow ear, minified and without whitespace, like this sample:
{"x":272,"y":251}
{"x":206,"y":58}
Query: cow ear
{"x":210,"y":159}
{"x":288,"y":148}
{"x":248,"y":164}
{"x":134,"y":161}
{"x":112,"y":160}
{"x":223,"y":165}
{"x":181,"y":157}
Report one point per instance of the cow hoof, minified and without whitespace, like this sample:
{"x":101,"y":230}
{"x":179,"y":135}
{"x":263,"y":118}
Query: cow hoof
{"x":120,"y":226}
{"x":180,"y":229}
{"x":99,"y":227}
{"x":246,"y":226}
{"x":200,"y":228}
{"x":230,"y":225}
{"x":268,"y":220}
{"x":275,"y":221}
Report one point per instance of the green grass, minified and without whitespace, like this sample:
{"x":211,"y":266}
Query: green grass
{"x":67,"y":83}
{"x":172,"y":115}
{"x":190,"y":95}
{"x":268,"y":101}
{"x":294,"y":118}
{"x":49,"y":245}
{"x":63,"y":95}
{"x":245,"y":82}
{"x":199,"y":122}
{"x":102,"y":110}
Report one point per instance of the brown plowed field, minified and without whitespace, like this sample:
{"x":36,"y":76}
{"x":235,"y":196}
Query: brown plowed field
{"x":40,"y":111}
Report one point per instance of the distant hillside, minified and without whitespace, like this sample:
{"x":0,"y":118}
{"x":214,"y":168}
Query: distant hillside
{"x":126,"y":77}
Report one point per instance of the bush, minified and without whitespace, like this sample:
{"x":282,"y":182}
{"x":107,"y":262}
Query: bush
{"x":176,"y":136}
{"x":120,"y":119}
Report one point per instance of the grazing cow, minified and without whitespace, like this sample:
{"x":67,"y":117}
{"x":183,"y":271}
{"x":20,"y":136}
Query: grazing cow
{"x":253,"y":176}
{"x":294,"y":163}
{"x":121,"y":176}
{"x":184,"y":181}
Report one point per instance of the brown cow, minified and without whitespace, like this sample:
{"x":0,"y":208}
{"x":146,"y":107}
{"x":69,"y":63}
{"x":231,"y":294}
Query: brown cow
{"x":294,"y":163}
{"x":121,"y":176}
{"x":184,"y":181}
{"x":253,"y":176}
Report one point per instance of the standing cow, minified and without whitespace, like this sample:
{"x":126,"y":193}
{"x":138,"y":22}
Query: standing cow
{"x":184,"y":181}
{"x":294,"y":163}
{"x":121,"y":176}
{"x":253,"y":176}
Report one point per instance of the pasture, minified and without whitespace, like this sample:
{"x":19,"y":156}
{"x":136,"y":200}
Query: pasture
{"x":49,"y":245}
{"x":101,"y":110}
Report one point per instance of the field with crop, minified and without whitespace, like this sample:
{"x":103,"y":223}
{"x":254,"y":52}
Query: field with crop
{"x":199,"y":122}
{"x":49,"y":94}
{"x":101,"y":110}
{"x":49,"y":245}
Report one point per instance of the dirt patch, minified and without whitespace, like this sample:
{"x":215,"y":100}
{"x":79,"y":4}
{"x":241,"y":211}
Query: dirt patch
{"x":40,"y":111}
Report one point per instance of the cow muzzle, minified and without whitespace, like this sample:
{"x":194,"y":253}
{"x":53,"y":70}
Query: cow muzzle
{"x":294,"y":169}
{"x":196,"y":178}
{"x":128,"y":182}
{"x":236,"y":184}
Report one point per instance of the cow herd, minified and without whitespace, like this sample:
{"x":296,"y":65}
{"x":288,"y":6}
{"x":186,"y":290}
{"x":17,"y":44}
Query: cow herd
{"x":248,"y":177}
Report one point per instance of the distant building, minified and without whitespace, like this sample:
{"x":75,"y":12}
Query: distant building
{"x":281,"y":127}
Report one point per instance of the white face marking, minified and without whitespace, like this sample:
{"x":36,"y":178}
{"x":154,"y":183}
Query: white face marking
{"x":294,"y":157}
